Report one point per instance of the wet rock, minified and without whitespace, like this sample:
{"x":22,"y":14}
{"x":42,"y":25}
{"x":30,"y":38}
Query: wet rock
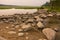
{"x":49,"y":33}
{"x":11,"y":32}
{"x":40,"y":25}
{"x":21,"y":34}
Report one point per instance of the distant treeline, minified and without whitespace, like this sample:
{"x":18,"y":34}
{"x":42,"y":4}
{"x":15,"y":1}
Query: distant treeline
{"x":18,"y":7}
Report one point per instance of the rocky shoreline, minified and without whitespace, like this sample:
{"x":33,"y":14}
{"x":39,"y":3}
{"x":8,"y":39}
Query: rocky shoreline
{"x":23,"y":23}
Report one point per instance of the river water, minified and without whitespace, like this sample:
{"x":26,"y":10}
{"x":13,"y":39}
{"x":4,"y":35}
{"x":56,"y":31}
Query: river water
{"x":16,"y":11}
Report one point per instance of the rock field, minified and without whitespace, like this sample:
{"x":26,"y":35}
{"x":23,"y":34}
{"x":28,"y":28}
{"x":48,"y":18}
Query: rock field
{"x":36,"y":26}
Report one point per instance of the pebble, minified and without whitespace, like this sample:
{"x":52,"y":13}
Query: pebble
{"x":27,"y":38}
{"x":50,"y":15}
{"x":11,"y":32}
{"x":21,"y":34}
{"x":26,"y":27}
{"x":7,"y":27}
{"x":17,"y":26}
{"x":12,"y":25}
{"x":20,"y":30}
{"x":27,"y":33}
{"x":42,"y":39}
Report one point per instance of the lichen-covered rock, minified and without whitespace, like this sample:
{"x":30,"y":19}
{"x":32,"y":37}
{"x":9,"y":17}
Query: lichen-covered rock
{"x":49,"y":33}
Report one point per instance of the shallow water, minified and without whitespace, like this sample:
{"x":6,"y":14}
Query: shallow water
{"x":14,"y":11}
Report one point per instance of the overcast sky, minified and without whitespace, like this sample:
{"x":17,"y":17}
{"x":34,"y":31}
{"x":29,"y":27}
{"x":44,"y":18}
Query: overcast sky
{"x":24,"y":2}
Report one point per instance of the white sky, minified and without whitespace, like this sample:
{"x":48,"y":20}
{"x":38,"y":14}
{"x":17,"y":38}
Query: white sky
{"x":24,"y":2}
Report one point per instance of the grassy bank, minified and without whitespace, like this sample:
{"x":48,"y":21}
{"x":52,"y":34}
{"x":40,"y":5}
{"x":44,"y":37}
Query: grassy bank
{"x":19,"y":7}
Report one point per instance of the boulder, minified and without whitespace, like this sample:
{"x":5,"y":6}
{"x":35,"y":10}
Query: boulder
{"x":40,"y":25}
{"x":26,"y":27}
{"x":38,"y":18}
{"x":49,"y":33}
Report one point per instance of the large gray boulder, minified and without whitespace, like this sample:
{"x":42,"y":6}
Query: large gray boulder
{"x":49,"y":33}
